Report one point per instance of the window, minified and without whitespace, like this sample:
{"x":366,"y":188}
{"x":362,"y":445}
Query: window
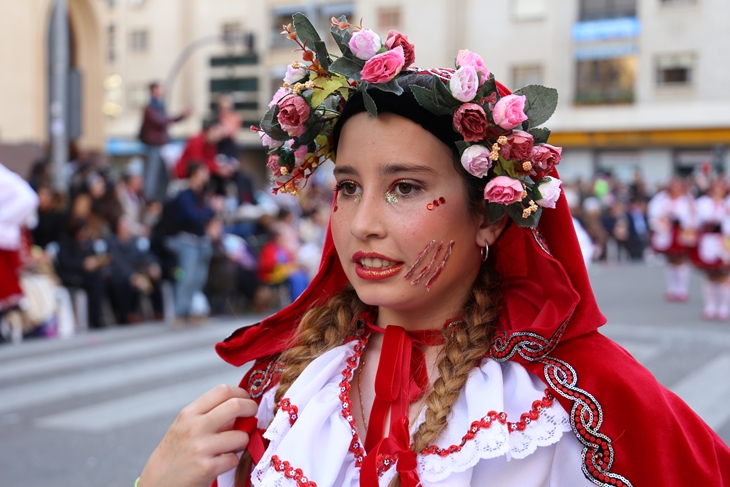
{"x":280,"y":18}
{"x":139,"y":40}
{"x":137,"y":96}
{"x":606,"y":9}
{"x":529,"y":9}
{"x":605,"y":81}
{"x":232,"y":33}
{"x":529,"y":74}
{"x":389,"y":18}
{"x":674,"y":70}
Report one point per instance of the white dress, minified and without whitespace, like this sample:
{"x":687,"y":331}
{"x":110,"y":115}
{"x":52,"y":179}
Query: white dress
{"x":313,"y":440}
{"x":662,"y":212}
{"x":711,"y":249}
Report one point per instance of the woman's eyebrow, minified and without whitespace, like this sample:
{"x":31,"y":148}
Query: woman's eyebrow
{"x":389,"y":169}
{"x":345,"y":171}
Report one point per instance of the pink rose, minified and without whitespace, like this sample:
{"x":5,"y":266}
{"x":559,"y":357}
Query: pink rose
{"x":546,"y":156}
{"x":268,"y":142}
{"x":293,"y":114}
{"x":471,"y":122}
{"x":365,"y":43}
{"x":467,"y":58}
{"x":280,"y":93}
{"x":518,"y":147}
{"x":395,"y":39}
{"x":383,"y":67}
{"x":295,"y":74}
{"x":464,"y":83}
{"x":476,"y":161}
{"x":509,"y":111}
{"x":549,"y":189}
{"x":301,"y":153}
{"x":503,"y":190}
{"x":273,"y":164}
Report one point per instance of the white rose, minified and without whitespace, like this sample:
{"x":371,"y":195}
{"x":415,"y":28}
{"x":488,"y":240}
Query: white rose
{"x":476,"y":161}
{"x":365,"y":43}
{"x":294,"y":74}
{"x":549,"y":188}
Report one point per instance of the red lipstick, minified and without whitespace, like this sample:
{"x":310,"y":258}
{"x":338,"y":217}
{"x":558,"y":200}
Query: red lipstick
{"x":375,"y":274}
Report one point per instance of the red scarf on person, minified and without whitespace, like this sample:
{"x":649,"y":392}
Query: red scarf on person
{"x":634,"y":431}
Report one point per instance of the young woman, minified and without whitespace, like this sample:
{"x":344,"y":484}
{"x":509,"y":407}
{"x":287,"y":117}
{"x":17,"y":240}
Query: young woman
{"x":445,"y":340}
{"x":712,"y":255}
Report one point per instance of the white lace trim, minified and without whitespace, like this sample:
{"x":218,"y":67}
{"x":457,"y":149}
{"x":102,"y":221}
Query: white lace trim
{"x":496,"y":441}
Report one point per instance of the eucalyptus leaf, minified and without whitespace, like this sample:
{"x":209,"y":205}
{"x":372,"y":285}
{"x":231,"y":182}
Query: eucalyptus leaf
{"x":495,"y":211}
{"x":540,"y":135}
{"x":443,"y":94}
{"x":424,"y":97}
{"x":305,"y":30}
{"x":347,"y":67}
{"x":462,"y":146}
{"x":309,"y":135}
{"x":337,"y":36}
{"x":270,"y":125}
{"x":540,"y":103}
{"x":369,"y":103}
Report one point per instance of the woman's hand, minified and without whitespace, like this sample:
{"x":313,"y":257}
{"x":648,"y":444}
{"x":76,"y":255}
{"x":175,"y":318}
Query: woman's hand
{"x":200,"y":444}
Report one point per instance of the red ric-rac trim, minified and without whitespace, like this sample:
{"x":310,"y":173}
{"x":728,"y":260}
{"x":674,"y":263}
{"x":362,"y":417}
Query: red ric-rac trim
{"x":293,"y":411}
{"x":291,"y":472}
{"x":384,"y":463}
{"x":355,"y":445}
{"x":488,"y":420}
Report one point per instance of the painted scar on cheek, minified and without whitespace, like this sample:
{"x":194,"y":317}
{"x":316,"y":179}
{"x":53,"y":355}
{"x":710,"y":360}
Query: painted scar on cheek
{"x":440,"y":268}
{"x":424,"y":272}
{"x":419,"y":259}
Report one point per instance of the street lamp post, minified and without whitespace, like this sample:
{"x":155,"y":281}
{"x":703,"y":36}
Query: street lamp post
{"x":58,"y":103}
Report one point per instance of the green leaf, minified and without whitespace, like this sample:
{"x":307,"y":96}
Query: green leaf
{"x":305,"y":30}
{"x":498,"y":170}
{"x":369,"y":102}
{"x":495,"y":211}
{"x":540,"y":104}
{"x":309,"y":135}
{"x":540,"y":135}
{"x":424,"y":97}
{"x":391,"y":86}
{"x":515,"y":212}
{"x":508,"y":167}
{"x":344,"y":48}
{"x":347,"y":67}
{"x":462,"y":146}
{"x":320,"y":49}
{"x":270,"y":125}
{"x":443,"y":95}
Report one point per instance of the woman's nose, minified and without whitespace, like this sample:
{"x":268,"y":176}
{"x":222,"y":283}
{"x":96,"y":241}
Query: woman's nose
{"x":368,"y":218}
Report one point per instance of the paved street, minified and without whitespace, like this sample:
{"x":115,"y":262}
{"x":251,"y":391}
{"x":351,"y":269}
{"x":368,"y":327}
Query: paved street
{"x":88,"y":411}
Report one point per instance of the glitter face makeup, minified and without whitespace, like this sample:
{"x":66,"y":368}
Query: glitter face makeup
{"x":358,"y":198}
{"x":390,"y":198}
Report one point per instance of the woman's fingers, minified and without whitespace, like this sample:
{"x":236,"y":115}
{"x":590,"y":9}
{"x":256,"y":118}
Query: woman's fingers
{"x":229,"y":410}
{"x":214,"y":397}
{"x":232,"y":441}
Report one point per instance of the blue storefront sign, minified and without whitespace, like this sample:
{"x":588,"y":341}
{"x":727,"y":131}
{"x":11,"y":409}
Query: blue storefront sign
{"x":598,"y":30}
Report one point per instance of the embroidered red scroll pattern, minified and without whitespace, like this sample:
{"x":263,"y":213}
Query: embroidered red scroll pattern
{"x":488,"y":420}
{"x":290,"y":472}
{"x":293,"y":411}
{"x":356,"y":446}
{"x":586,"y":417}
{"x":262,"y":378}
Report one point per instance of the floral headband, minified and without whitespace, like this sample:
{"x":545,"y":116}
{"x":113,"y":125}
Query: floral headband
{"x":501,"y":137}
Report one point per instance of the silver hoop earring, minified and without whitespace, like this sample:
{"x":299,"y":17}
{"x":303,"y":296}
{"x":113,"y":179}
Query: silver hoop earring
{"x":485,"y":251}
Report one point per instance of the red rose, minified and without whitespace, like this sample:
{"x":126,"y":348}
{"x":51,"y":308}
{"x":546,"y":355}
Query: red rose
{"x":396,"y":39}
{"x":471,"y":122}
{"x":293,"y":114}
{"x":518,"y":147}
{"x":546,"y":156}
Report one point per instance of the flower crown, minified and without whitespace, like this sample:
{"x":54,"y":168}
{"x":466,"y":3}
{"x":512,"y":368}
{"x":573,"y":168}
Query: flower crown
{"x":502,"y":140}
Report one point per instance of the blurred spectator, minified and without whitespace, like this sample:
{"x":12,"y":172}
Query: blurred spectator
{"x":638,"y":228}
{"x":142,"y":216}
{"x":203,"y":149}
{"x":79,"y":266}
{"x":231,"y":124}
{"x":277,"y":261}
{"x":616,"y":223}
{"x":51,"y":217}
{"x":133,"y":272}
{"x":153,"y":132}
{"x":591,"y":220}
{"x":190,"y":242}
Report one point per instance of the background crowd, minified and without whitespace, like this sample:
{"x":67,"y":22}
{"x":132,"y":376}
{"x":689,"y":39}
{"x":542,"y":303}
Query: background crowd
{"x":191,"y":236}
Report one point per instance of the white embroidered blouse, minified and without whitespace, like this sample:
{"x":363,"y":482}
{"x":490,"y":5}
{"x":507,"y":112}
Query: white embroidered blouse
{"x":504,"y":430}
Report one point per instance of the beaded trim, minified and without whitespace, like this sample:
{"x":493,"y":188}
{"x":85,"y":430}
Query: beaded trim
{"x":487,"y":421}
{"x":293,"y":411}
{"x":540,"y":239}
{"x":290,"y":472}
{"x":261,"y":379}
{"x":530,"y":346}
{"x":385,"y":462}
{"x":356,"y":446}
{"x":586,"y":417}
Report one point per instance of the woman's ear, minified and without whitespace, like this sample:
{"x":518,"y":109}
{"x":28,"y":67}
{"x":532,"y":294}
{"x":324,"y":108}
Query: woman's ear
{"x":488,"y":231}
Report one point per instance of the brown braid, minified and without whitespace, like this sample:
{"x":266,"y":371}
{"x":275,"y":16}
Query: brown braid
{"x":322,"y":328}
{"x":467,"y":342}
